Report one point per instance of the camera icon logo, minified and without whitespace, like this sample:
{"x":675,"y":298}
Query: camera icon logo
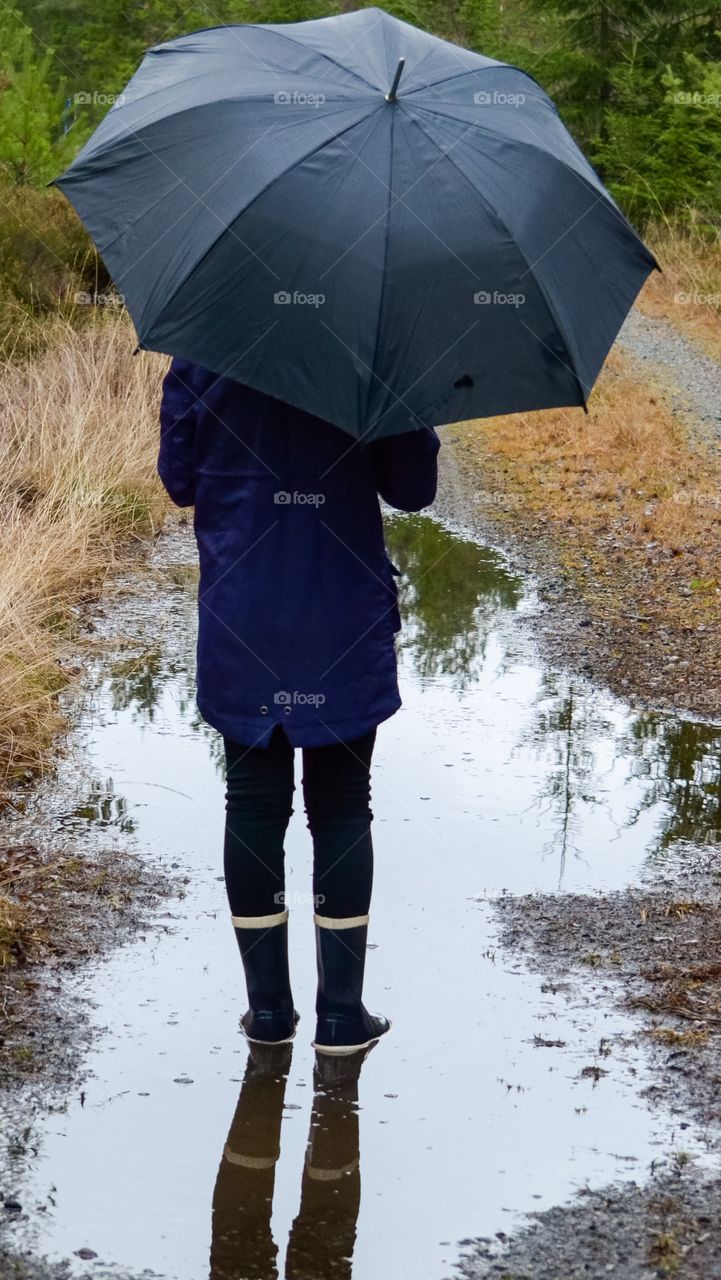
{"x":282,"y":96}
{"x":282,"y":498}
{"x":282,"y":698}
{"x":482,"y":98}
{"x":282,"y":297}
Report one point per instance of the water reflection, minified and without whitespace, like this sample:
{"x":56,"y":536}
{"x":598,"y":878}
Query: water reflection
{"x":322,"y":1235}
{"x":509,"y":769}
{"x":566,"y":730}
{"x":136,"y":682}
{"x":680,"y":763}
{"x":103,"y":807}
{"x":453,"y":594}
{"x":451,"y":591}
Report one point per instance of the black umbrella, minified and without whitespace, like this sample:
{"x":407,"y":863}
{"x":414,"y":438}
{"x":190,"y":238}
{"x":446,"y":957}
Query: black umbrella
{"x":359,"y":219}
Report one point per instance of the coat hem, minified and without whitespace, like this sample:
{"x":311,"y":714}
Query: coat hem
{"x":255,"y":734}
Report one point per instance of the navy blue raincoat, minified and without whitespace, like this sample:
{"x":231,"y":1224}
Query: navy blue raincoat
{"x":297,"y":597}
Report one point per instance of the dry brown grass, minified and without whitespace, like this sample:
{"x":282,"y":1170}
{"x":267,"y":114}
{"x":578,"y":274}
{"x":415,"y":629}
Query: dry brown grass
{"x":78,"y":439}
{"x":631,"y":503}
{"x":688,"y":290}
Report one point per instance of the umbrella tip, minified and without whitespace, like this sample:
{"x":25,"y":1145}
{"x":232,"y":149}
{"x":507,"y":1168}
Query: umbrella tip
{"x":391,"y":95}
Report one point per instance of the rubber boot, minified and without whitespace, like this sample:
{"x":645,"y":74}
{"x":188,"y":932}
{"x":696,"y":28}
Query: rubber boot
{"x":344,"y":1025}
{"x":263,"y":943}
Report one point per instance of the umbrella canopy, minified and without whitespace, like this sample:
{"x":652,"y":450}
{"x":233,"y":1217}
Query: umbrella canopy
{"x":360,"y":219}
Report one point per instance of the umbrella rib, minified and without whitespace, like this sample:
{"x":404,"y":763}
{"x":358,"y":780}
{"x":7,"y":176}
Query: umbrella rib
{"x":584,"y":180}
{"x":549,"y":307}
{"x":381,"y":300}
{"x":474,"y":71}
{"x":495,"y":133}
{"x":602,"y":195}
{"x":301,"y":160}
{"x":429,"y":54}
{"x":320,"y":54}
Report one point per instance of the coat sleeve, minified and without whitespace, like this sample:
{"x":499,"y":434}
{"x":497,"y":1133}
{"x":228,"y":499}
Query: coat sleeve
{"x":176,"y":456}
{"x":406,"y":468}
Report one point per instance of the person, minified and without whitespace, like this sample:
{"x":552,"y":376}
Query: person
{"x":298,"y":611}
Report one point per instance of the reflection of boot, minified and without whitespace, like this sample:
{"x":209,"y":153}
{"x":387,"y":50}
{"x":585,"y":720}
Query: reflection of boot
{"x":242,"y":1247}
{"x":263,"y":943}
{"x":344,"y":1024}
{"x":323,"y":1234}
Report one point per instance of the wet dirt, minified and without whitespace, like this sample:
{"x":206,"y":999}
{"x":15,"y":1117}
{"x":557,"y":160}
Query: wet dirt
{"x":666,"y":1228}
{"x":648,"y":665}
{"x":174,"y":1154}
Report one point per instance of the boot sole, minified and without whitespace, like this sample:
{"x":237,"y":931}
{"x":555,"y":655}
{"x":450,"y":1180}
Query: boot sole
{"x":341,"y":1050}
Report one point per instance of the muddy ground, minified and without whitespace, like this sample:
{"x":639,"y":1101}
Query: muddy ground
{"x":79,"y":893}
{"x":667,"y":668}
{"x":667,"y":1228}
{"x":653,"y":949}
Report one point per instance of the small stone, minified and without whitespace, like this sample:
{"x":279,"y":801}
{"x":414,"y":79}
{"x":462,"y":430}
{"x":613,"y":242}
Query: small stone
{"x":85,"y":1253}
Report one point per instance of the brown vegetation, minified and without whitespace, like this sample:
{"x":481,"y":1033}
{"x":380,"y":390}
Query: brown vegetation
{"x":78,"y":438}
{"x":687,"y":292}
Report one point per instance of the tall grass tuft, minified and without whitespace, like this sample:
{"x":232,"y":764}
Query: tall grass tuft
{"x":688,"y":293}
{"x":78,"y":438}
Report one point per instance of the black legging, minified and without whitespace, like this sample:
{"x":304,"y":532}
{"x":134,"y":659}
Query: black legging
{"x":259,"y":797}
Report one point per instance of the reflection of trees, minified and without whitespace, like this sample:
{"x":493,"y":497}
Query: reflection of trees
{"x":567,"y":729}
{"x":680,"y":763}
{"x":103,"y":807}
{"x":677,"y":762}
{"x":136,"y":682}
{"x":450,"y":593}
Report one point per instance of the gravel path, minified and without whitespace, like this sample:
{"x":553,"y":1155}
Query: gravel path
{"x":677,"y":363}
{"x":665,"y":1224}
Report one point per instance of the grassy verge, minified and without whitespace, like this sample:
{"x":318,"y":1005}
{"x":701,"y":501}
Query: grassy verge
{"x":688,"y":290}
{"x":626,"y":506}
{"x":78,"y":438}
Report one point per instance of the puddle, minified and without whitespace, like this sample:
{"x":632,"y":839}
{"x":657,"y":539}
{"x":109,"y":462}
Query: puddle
{"x":497,"y":775}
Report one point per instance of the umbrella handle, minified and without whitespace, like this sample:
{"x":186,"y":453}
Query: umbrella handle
{"x":391,"y":95}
